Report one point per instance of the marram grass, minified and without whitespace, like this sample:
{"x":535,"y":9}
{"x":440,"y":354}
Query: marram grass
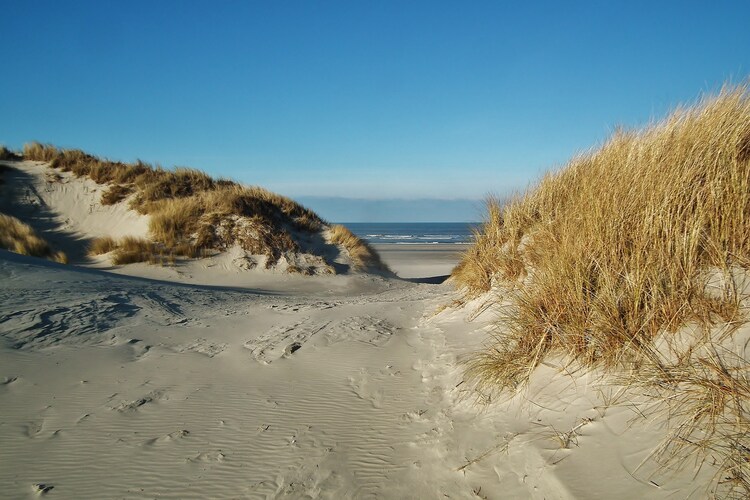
{"x":19,"y":237}
{"x":621,"y":246}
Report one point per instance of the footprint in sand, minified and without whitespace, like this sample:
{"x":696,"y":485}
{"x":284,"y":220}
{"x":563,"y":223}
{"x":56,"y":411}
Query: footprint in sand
{"x":435,"y":396}
{"x":34,"y":428}
{"x":366,"y":329}
{"x":128,"y":406}
{"x":207,"y":457}
{"x":138,"y":348}
{"x":299,"y":307}
{"x":167,"y":438}
{"x":203,"y":346}
{"x":283,"y":341}
{"x":362,"y":386}
{"x":83,"y":418}
{"x":41,"y":488}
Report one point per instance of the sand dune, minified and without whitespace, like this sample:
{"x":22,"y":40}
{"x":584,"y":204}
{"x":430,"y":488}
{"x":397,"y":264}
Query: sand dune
{"x":208,"y":379}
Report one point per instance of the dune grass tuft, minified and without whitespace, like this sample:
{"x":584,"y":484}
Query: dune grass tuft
{"x":8,"y":155}
{"x":37,"y":151}
{"x":129,"y":250}
{"x":115,"y":194}
{"x":102,"y":245}
{"x":619,"y":247}
{"x":361,"y":254}
{"x":21,"y":238}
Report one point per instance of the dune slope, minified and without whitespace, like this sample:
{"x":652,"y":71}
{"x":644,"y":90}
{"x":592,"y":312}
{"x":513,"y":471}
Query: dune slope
{"x":140,"y":213}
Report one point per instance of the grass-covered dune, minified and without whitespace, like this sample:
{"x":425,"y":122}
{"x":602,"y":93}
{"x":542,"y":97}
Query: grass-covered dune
{"x":192,"y":214}
{"x":621,"y":249}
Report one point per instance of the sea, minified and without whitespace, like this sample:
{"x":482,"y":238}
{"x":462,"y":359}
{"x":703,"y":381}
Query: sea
{"x":405,"y":233}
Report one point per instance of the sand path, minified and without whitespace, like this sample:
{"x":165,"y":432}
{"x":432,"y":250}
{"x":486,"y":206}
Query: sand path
{"x":116,"y":387}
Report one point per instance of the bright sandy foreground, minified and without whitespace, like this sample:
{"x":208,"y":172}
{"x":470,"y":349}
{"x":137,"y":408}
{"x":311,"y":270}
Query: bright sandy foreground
{"x":261,"y":384}
{"x":115,"y":387}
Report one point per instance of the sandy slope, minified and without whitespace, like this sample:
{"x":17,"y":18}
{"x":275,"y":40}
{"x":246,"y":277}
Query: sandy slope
{"x":64,"y":208}
{"x":114,"y":387}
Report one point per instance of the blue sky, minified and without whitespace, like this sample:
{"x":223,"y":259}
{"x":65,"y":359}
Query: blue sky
{"x":410,"y":100}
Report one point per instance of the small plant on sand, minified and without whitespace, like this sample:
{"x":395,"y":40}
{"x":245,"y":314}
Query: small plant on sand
{"x":620,"y":247}
{"x":21,"y":238}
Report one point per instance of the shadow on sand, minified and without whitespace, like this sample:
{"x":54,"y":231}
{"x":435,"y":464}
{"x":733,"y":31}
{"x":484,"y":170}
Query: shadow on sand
{"x":431,"y":280}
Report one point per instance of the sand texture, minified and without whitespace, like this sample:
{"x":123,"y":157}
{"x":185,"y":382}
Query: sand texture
{"x":210,"y":380}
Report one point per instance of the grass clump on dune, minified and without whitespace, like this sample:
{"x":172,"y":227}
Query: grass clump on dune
{"x":21,"y":238}
{"x":361,"y":254}
{"x":100,"y":246}
{"x":622,"y":246}
{"x":191,"y":212}
{"x":130,"y":250}
{"x":7,"y":154}
{"x":115,"y":194}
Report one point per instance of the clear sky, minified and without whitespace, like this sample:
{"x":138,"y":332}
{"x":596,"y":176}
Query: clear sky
{"x":377,"y":99}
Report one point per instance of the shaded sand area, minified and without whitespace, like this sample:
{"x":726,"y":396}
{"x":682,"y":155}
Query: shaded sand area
{"x":115,"y":386}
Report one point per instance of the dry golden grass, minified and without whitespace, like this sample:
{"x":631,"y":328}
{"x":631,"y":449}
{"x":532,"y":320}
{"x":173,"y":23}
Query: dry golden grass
{"x":616,"y":247}
{"x":189,"y":209}
{"x":129,"y":250}
{"x":361,"y":254}
{"x":36,"y":151}
{"x":115,"y":194}
{"x":21,"y":238}
{"x":102,"y":245}
{"x":701,"y":390}
{"x":7,"y":154}
{"x":619,"y":247}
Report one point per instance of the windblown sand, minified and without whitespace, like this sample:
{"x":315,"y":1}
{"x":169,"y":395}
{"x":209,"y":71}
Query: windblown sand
{"x":207,"y":380}
{"x":116,"y":387}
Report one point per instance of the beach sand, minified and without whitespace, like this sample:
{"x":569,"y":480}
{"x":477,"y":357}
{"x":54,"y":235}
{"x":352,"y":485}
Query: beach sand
{"x":205,"y":381}
{"x":421,"y":261}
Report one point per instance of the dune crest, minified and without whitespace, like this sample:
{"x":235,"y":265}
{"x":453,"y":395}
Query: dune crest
{"x":127,"y":213}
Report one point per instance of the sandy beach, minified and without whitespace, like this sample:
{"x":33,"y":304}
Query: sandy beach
{"x":421,"y":261}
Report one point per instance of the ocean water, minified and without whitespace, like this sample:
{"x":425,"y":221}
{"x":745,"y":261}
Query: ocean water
{"x":413,"y":232}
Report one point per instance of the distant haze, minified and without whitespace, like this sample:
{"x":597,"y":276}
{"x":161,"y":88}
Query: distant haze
{"x":394,"y":210}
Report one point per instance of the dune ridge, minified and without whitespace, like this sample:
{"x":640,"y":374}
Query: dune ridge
{"x":633,"y":259}
{"x":191,"y":215}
